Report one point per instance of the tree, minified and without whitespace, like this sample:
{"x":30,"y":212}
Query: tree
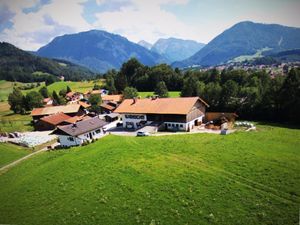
{"x":130,"y":68}
{"x":68,"y":89}
{"x":190,"y":86}
{"x":56,"y":98}
{"x":95,"y":99}
{"x":63,"y":92}
{"x":290,"y":95}
{"x":96,"y":87}
{"x":212,"y":94}
{"x":16,"y":101}
{"x":229,"y":95}
{"x":121,"y":82}
{"x":110,"y":83}
{"x":161,"y":90}
{"x":33,"y":100}
{"x":130,"y":92}
{"x":44,"y":92}
{"x":49,"y":80}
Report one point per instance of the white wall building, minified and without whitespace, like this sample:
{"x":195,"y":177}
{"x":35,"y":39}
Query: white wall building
{"x":176,"y":114}
{"x":80,"y":132}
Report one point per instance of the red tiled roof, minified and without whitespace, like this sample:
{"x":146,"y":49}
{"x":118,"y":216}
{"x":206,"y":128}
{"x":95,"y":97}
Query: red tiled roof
{"x":107,"y":106}
{"x":55,"y":119}
{"x":178,"y":106}
{"x":114,"y":98}
{"x":72,"y":108}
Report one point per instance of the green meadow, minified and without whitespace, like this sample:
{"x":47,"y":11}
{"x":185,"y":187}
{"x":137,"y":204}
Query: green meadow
{"x":242,"y":178}
{"x":172,"y":94}
{"x":10,"y":153}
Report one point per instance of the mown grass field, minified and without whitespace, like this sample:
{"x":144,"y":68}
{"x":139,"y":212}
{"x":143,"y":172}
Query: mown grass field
{"x":81,"y":86}
{"x":6,"y":87}
{"x":172,"y":94}
{"x":242,"y":178}
{"x":10,"y":122}
{"x":10,"y":153}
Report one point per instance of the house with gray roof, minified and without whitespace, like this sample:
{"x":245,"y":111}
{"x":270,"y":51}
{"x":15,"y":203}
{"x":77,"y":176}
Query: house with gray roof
{"x":80,"y":132}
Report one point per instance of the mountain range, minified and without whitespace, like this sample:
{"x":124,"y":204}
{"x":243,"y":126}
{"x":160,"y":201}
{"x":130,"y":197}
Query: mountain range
{"x":145,"y":44}
{"x":174,"y":49}
{"x":245,"y":39}
{"x":98,"y":50}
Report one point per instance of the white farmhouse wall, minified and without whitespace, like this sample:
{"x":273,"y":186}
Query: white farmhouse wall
{"x":126,"y":119}
{"x":66,"y":140}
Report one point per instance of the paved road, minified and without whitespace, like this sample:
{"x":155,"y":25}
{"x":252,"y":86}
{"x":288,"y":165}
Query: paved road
{"x":12,"y":164}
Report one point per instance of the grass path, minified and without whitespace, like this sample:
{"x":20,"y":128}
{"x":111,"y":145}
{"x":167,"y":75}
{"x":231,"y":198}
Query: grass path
{"x":5,"y":168}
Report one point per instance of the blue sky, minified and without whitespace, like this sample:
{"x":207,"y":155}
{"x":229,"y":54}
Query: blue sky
{"x":30,"y":24}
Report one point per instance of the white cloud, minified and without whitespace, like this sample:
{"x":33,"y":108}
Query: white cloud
{"x":145,"y":20}
{"x":31,"y":31}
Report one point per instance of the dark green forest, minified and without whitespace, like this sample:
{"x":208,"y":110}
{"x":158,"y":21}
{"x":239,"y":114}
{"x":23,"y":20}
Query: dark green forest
{"x":253,"y":95}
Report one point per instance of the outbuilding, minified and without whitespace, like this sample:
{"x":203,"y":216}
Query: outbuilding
{"x":80,"y":132}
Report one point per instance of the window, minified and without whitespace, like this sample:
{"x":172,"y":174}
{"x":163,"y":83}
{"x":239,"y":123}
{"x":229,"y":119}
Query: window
{"x":176,"y":124}
{"x":173,"y":125}
{"x":181,"y":125}
{"x":70,"y":138}
{"x":169,"y":124}
{"x":98,"y":131}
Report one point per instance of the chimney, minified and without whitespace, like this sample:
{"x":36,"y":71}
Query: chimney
{"x":134,"y":100}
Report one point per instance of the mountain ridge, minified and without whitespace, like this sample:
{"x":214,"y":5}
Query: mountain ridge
{"x":244,"y":38}
{"x":175,"y":49}
{"x":98,"y":50}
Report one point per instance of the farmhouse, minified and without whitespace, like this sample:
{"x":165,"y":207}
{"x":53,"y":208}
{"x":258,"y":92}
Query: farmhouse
{"x":70,"y":110}
{"x":80,"y":132}
{"x":50,"y":122}
{"x":169,"y":113}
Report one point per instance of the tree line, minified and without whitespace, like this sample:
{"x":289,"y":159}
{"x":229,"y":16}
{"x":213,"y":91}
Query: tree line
{"x":252,"y":94}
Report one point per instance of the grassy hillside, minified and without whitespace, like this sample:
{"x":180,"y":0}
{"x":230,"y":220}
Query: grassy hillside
{"x":173,"y":94}
{"x":10,"y":153}
{"x":10,"y":122}
{"x":81,"y":86}
{"x":243,"y":178}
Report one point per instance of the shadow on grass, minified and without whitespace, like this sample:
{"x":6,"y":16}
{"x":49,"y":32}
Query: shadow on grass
{"x":282,"y":125}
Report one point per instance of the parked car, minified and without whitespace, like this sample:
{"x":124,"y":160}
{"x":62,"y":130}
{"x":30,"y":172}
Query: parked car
{"x":142,"y":133}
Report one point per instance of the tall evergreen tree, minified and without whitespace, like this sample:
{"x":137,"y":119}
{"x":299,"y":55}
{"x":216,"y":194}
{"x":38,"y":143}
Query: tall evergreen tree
{"x":44,"y":92}
{"x":161,"y":90}
{"x":68,"y":89}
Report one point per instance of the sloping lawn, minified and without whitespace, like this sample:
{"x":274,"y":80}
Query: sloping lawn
{"x":241,"y":178}
{"x":81,"y":86}
{"x":10,"y":122}
{"x":172,"y":94}
{"x":10,"y":153}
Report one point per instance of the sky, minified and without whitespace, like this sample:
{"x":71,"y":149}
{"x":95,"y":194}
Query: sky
{"x":31,"y":24}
